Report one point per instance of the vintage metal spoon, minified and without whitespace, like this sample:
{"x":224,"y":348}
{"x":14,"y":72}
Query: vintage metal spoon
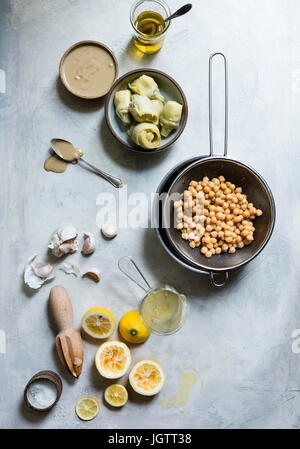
{"x":116,"y":182}
{"x":180,"y":12}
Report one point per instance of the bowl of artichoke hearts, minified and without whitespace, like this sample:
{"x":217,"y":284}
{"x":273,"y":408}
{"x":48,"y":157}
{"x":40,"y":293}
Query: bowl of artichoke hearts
{"x":146,"y":110}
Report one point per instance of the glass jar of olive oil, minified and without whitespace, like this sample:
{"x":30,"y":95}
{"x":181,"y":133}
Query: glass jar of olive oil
{"x":147,"y":20}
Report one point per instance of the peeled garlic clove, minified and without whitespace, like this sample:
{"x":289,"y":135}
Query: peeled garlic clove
{"x":42,"y":270}
{"x":109,"y":231}
{"x":70,"y":268}
{"x":93,"y":273}
{"x":89,"y":243}
{"x":37,"y":273}
{"x":64,"y":241}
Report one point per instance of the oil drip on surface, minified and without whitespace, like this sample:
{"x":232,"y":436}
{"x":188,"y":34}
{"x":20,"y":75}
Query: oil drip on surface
{"x":187,"y":380}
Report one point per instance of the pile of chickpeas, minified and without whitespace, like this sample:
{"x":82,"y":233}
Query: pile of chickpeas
{"x":215,"y":215}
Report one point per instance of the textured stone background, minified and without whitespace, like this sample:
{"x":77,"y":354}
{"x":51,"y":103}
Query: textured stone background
{"x":237,"y":338}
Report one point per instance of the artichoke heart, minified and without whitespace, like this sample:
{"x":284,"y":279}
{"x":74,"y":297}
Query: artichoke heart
{"x":121,"y":100}
{"x":158,"y":107}
{"x":170,"y":117}
{"x":145,"y":85}
{"x":142,"y":109}
{"x":146,"y":135}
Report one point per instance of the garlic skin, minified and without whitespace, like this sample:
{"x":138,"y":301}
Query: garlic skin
{"x":93,"y":273}
{"x":109,"y":231}
{"x":89,"y":244}
{"x":37,"y":273}
{"x":64,"y":241}
{"x":70,"y":268}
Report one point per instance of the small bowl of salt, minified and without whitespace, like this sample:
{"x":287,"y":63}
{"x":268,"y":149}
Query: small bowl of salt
{"x":43,"y":391}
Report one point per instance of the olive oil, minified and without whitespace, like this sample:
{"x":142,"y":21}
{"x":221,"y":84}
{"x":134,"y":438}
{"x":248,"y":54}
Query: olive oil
{"x":151,"y":27}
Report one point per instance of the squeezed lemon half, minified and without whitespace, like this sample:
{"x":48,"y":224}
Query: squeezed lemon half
{"x":98,"y":323}
{"x":147,"y":377}
{"x":87,"y":408}
{"x":113,"y":359}
{"x":116,"y":395}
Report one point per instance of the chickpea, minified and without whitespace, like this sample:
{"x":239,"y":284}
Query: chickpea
{"x":215,"y":215}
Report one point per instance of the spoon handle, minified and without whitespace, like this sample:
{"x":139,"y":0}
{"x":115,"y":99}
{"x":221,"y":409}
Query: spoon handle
{"x":116,"y":182}
{"x":183,"y":10}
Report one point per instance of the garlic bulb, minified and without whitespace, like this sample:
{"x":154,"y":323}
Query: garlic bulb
{"x":64,"y":241}
{"x":93,"y":273}
{"x":89,"y":243}
{"x":109,"y":231}
{"x":37,"y":273}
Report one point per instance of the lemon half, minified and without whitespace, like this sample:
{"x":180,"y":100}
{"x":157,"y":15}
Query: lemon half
{"x":147,"y":377}
{"x":87,"y":408}
{"x":98,"y":323}
{"x":116,"y":395}
{"x":113,"y":359}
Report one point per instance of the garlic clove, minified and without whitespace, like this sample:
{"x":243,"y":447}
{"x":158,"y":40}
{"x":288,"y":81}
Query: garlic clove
{"x":64,"y":241}
{"x":70,"y":268}
{"x":109,"y":231}
{"x":89,"y":243}
{"x":93,"y":273}
{"x":37,"y":273}
{"x":42,"y":270}
{"x":67,"y":233}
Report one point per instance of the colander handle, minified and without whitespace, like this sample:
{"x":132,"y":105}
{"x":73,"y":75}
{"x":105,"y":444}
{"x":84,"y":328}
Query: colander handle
{"x":211,"y":144}
{"x":218,"y":284}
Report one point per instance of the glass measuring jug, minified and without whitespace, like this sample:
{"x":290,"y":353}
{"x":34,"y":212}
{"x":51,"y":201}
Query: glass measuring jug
{"x":162,"y":308}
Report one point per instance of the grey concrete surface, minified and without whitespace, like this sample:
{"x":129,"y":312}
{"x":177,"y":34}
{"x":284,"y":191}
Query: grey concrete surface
{"x":239,"y":338}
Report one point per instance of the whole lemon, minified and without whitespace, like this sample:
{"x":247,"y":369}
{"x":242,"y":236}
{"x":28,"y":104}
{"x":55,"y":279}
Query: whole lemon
{"x":132,"y":329}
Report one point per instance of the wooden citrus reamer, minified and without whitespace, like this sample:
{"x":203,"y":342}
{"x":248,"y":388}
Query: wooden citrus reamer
{"x":68,"y":342}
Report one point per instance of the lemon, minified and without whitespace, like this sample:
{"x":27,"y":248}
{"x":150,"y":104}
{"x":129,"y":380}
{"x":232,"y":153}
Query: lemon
{"x":113,"y":359}
{"x":132,"y":329}
{"x":147,"y":377}
{"x":87,"y":408}
{"x":116,"y":395}
{"x":98,"y":323}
